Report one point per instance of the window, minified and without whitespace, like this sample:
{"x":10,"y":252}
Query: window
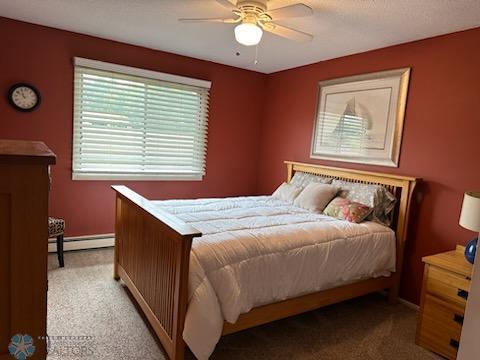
{"x":137,"y":124}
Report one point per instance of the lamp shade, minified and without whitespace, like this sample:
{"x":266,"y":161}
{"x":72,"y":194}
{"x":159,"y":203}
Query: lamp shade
{"x":248,"y":34}
{"x":470,"y":214}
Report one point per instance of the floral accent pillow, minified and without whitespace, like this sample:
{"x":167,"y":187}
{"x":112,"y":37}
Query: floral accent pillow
{"x":345,"y":209}
{"x":302,"y":179}
{"x":374,"y":196}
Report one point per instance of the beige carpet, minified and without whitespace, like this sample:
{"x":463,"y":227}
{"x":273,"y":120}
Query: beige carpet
{"x":91,"y":316}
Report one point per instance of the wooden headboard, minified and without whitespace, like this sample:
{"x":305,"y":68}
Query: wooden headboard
{"x":400,"y":186}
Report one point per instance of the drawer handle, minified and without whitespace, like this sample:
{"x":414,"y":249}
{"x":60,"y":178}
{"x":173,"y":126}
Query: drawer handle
{"x":454,"y":343}
{"x":463,"y":294}
{"x":458,"y":319}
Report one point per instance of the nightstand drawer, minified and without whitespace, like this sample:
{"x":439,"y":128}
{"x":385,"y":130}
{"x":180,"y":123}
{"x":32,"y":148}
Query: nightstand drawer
{"x":441,"y":326}
{"x":448,"y":286}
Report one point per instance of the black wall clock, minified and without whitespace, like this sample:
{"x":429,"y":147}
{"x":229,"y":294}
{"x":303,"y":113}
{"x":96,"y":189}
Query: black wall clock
{"x":24,"y":97}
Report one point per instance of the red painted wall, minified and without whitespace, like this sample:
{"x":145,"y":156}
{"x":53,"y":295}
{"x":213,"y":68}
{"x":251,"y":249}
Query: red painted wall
{"x":247,"y":144}
{"x":440,"y":140}
{"x":43,"y":57}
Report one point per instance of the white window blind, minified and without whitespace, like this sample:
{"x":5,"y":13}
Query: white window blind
{"x":131,"y":123}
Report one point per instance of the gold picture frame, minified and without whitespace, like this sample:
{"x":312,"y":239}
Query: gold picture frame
{"x":360,"y":118}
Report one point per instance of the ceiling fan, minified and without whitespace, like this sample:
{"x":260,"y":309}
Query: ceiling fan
{"x":255,"y":16}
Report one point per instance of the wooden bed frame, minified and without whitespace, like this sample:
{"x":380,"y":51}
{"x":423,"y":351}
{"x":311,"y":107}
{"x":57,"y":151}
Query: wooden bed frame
{"x":152,"y":253}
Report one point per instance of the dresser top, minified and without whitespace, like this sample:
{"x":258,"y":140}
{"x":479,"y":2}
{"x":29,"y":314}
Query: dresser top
{"x":451,"y":260}
{"x":21,"y":151}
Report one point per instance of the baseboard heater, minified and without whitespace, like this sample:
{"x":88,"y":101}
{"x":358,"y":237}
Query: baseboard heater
{"x":83,"y":242}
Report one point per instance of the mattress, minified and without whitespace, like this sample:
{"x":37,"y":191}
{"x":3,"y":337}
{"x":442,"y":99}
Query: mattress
{"x":260,"y":250}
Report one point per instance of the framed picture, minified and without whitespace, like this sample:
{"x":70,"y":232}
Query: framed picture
{"x":360,"y":118}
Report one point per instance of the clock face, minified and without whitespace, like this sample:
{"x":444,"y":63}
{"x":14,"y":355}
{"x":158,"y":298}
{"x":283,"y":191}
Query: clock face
{"x":24,"y":97}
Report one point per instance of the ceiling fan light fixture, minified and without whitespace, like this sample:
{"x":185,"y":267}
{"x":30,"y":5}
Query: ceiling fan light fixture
{"x":248,"y":34}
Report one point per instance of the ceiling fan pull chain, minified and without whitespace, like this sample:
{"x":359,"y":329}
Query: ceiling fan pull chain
{"x":256,"y":55}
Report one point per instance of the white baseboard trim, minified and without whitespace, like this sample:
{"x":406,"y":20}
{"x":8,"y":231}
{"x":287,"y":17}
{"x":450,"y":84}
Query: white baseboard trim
{"x":84,"y":242}
{"x":404,"y":302}
{"x":409,"y":304}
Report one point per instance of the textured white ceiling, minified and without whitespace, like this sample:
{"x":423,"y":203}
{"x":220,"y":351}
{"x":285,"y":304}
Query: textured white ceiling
{"x":340,"y":27}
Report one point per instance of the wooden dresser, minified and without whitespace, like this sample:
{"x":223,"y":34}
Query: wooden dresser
{"x":446,"y":283}
{"x":24,"y":186}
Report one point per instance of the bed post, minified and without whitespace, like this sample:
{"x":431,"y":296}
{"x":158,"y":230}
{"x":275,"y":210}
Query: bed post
{"x":289,"y":172}
{"x":152,"y":256}
{"x":116,"y":250}
{"x":401,"y":234}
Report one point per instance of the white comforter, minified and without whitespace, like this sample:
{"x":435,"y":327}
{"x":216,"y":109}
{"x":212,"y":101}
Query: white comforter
{"x":258,"y":250}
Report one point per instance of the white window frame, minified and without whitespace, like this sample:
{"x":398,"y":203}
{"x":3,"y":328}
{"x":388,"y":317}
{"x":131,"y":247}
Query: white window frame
{"x":149,"y":74}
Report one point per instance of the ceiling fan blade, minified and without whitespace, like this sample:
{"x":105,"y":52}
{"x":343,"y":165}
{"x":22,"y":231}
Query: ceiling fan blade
{"x":227,"y":4}
{"x":296,"y":10}
{"x":217,"y":20}
{"x":287,"y":32}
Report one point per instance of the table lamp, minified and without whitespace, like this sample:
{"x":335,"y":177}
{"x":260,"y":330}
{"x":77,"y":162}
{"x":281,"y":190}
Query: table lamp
{"x":470,"y":219}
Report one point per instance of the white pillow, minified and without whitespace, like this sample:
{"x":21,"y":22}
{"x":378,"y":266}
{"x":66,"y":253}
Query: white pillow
{"x":316,"y":196}
{"x":286,"y":192}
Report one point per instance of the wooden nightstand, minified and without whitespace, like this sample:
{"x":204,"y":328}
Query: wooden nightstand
{"x":446,"y":283}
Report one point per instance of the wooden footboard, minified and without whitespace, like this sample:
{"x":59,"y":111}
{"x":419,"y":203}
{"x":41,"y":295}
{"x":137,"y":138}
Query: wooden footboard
{"x":152,"y":253}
